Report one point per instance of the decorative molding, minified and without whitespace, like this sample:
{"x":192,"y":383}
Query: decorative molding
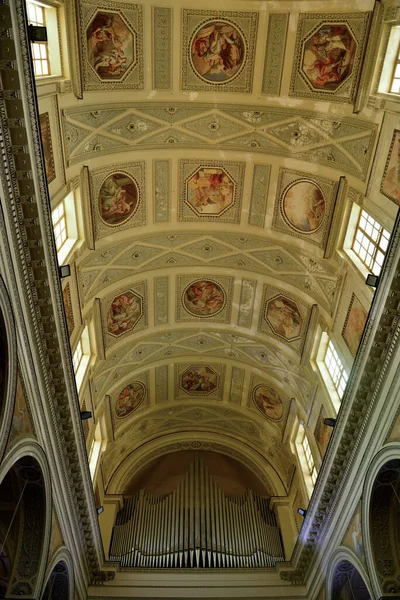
{"x":275,"y":53}
{"x":86,"y":191}
{"x":372,"y":364}
{"x":259,"y":195}
{"x":309,"y":24}
{"x":247,"y":297}
{"x":36,"y":293}
{"x":195,"y":208}
{"x":369,"y":59}
{"x":162,"y":190}
{"x":131,"y":15}
{"x":161,"y":384}
{"x":310,"y":338}
{"x":315,"y":137}
{"x":245,"y":24}
{"x":161,"y":285}
{"x":162,"y":47}
{"x":339,"y":205}
{"x":237,"y":381}
{"x":100,"y":347}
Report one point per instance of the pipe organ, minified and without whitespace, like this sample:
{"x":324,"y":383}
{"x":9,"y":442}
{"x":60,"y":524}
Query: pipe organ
{"x":196,"y":525}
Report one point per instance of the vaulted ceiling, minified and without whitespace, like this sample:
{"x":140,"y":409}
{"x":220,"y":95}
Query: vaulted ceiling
{"x":216,"y":155}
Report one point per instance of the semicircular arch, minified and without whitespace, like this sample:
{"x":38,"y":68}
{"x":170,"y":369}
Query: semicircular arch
{"x":166,"y":444}
{"x":28,"y":447}
{"x":340,"y":556}
{"x":387,"y":454}
{"x":62,"y":555}
{"x":8,"y":385}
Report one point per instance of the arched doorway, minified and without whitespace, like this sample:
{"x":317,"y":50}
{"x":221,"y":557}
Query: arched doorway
{"x":22,"y":527}
{"x":58,"y":583}
{"x":384,"y":524}
{"x":347,"y":583}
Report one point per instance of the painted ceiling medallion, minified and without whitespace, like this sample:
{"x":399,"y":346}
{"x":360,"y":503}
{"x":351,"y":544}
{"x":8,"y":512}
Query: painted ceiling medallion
{"x":199,"y":380}
{"x":129,"y":399}
{"x":118,"y":199}
{"x":210,"y":191}
{"x":204,"y":298}
{"x":218,"y":51}
{"x":268,"y":402}
{"x":303,"y":206}
{"x":284,"y":318}
{"x":329,"y":56}
{"x":124,"y":312}
{"x":111,"y":46}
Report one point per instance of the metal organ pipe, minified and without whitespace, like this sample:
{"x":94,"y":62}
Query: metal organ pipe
{"x":196,"y":525}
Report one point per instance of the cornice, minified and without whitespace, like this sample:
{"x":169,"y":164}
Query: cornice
{"x":375,"y":358}
{"x":37,"y":290}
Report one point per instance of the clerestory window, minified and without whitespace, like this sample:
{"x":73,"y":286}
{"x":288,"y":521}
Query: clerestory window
{"x":40,"y":50}
{"x":370,"y":242}
{"x":335,"y":369}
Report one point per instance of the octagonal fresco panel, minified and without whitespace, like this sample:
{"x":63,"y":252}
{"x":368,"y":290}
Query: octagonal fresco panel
{"x":284,"y":317}
{"x":124,"y":312}
{"x":129,"y":399}
{"x":210,"y":191}
{"x":329,"y":56}
{"x":204,"y":298}
{"x":110,"y":46}
{"x":217,"y":52}
{"x":118,"y":199}
{"x":303,"y":206}
{"x":199,"y":380}
{"x":268,"y":402}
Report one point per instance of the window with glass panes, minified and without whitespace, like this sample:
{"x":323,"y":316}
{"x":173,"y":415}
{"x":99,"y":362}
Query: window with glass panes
{"x":335,"y":369}
{"x":370,"y":242}
{"x":395,"y":84}
{"x":59,"y":225}
{"x":77,"y":356}
{"x":309,"y":458}
{"x":40,"y":52}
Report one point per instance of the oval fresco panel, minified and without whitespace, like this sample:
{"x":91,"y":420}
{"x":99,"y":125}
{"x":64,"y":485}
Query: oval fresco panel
{"x":268,"y":402}
{"x":204,"y":298}
{"x":329,"y":57}
{"x":303,"y":206}
{"x":118,"y":199}
{"x":217,"y":51}
{"x":199,"y":380}
{"x":129,"y":399}
{"x":210,"y":191}
{"x":124,"y":313}
{"x":284,"y":317}
{"x":110,"y":46}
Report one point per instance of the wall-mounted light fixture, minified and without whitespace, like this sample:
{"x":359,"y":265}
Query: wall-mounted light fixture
{"x":372,"y":280}
{"x":64,"y":271}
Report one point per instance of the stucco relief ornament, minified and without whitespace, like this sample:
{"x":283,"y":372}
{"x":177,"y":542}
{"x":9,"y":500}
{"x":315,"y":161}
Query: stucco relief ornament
{"x":217,"y":51}
{"x":204,"y":298}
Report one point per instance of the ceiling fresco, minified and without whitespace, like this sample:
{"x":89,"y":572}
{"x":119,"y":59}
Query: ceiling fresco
{"x":215,"y":152}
